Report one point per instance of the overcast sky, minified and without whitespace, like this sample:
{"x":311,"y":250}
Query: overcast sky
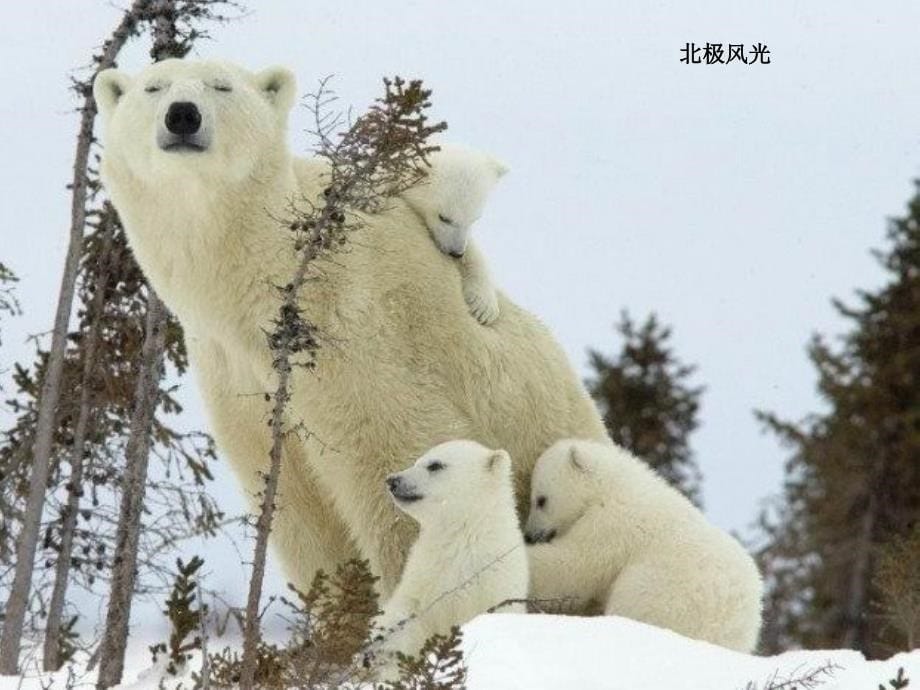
{"x":732,"y":200}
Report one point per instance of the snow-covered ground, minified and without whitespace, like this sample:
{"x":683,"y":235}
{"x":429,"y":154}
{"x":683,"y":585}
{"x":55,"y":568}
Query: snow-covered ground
{"x":512,"y":652}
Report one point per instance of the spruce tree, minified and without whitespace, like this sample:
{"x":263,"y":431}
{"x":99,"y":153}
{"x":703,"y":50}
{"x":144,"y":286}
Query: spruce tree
{"x":648,"y":403}
{"x":852,"y":483}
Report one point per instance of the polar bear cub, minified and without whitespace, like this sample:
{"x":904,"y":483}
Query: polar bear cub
{"x":610,"y":533}
{"x":450,"y":200}
{"x":469,"y":555}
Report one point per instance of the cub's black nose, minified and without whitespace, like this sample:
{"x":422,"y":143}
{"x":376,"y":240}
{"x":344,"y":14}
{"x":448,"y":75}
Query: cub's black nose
{"x":393,"y":483}
{"x":183,"y":118}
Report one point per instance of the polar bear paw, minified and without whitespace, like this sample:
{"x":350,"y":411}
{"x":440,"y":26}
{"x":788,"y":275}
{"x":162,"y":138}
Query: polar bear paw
{"x":483,"y":304}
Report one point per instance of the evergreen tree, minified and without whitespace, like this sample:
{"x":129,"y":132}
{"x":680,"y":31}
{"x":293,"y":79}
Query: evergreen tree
{"x":647,"y":402}
{"x":852,"y":483}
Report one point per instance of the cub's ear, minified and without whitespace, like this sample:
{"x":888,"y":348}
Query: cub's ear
{"x":498,"y":460}
{"x":279,"y":86}
{"x":108,"y":88}
{"x":576,"y":461}
{"x":500,"y":168}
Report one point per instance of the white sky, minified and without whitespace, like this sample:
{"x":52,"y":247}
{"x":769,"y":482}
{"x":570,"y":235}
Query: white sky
{"x":732,"y":200}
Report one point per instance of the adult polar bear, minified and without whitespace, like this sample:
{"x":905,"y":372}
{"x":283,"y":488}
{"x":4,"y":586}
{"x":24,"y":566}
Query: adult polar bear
{"x":197,"y":163}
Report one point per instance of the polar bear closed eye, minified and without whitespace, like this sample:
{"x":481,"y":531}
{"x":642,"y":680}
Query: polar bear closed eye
{"x":450,"y":200}
{"x":469,"y":555}
{"x":608,"y":532}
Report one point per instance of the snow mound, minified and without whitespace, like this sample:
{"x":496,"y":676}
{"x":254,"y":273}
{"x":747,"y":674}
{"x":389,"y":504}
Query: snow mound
{"x":527,"y":652}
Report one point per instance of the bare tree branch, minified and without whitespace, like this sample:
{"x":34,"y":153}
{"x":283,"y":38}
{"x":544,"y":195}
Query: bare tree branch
{"x":51,"y":658}
{"x":17,"y":603}
{"x":381,"y":154}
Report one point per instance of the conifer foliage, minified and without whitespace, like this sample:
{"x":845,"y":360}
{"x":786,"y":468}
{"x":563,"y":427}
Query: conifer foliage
{"x":852,"y":487}
{"x":186,"y":614}
{"x":897,"y":580}
{"x":341,"y":608}
{"x":439,"y":665}
{"x":330,"y":643}
{"x":648,"y":403}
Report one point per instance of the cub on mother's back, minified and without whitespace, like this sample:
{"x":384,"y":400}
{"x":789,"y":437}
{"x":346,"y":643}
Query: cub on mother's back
{"x":450,"y":199}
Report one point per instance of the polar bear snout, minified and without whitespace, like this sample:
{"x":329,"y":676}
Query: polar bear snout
{"x":451,"y":239}
{"x":183,"y":118}
{"x":401,"y":489}
{"x":182,"y":128}
{"x":539,"y":536}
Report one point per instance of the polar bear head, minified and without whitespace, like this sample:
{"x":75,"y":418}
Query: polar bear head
{"x":192,"y":121}
{"x":451,"y":481}
{"x":452,"y":196}
{"x":564,"y":485}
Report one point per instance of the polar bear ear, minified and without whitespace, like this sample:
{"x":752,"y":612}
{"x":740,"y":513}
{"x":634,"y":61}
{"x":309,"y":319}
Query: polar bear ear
{"x":576,"y":461}
{"x":279,"y":87}
{"x":498,"y":459}
{"x":499,"y":168}
{"x":108,"y":88}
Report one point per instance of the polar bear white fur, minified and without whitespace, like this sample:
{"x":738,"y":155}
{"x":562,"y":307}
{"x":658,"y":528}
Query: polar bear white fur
{"x":469,"y":556}
{"x":403,"y":366}
{"x":449,"y":200}
{"x":618,"y":537}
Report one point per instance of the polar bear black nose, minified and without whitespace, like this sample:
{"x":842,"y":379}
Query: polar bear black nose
{"x":183,"y":118}
{"x":393,"y":482}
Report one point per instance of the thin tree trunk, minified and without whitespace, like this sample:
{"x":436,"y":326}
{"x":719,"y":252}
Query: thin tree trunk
{"x":858,"y":589}
{"x":137,"y":455}
{"x":251,"y":632}
{"x":282,"y":364}
{"x":291,"y":333}
{"x":18,"y":601}
{"x":124,"y":576}
{"x":205,"y":674}
{"x":51,"y":658}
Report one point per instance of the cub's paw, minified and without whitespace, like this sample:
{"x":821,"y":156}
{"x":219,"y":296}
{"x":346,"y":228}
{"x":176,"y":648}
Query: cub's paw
{"x":483,"y":305}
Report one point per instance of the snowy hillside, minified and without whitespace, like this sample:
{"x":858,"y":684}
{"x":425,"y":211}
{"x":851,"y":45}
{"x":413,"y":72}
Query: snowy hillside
{"x":518,"y":652}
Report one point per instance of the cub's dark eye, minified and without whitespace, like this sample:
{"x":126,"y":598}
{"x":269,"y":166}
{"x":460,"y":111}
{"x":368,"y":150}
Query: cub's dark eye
{"x":445,"y":219}
{"x":435,"y":466}
{"x":152,"y":88}
{"x":541,"y":502}
{"x":224,"y":88}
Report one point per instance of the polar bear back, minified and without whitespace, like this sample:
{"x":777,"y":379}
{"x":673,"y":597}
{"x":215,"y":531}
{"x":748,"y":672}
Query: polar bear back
{"x":511,"y":383}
